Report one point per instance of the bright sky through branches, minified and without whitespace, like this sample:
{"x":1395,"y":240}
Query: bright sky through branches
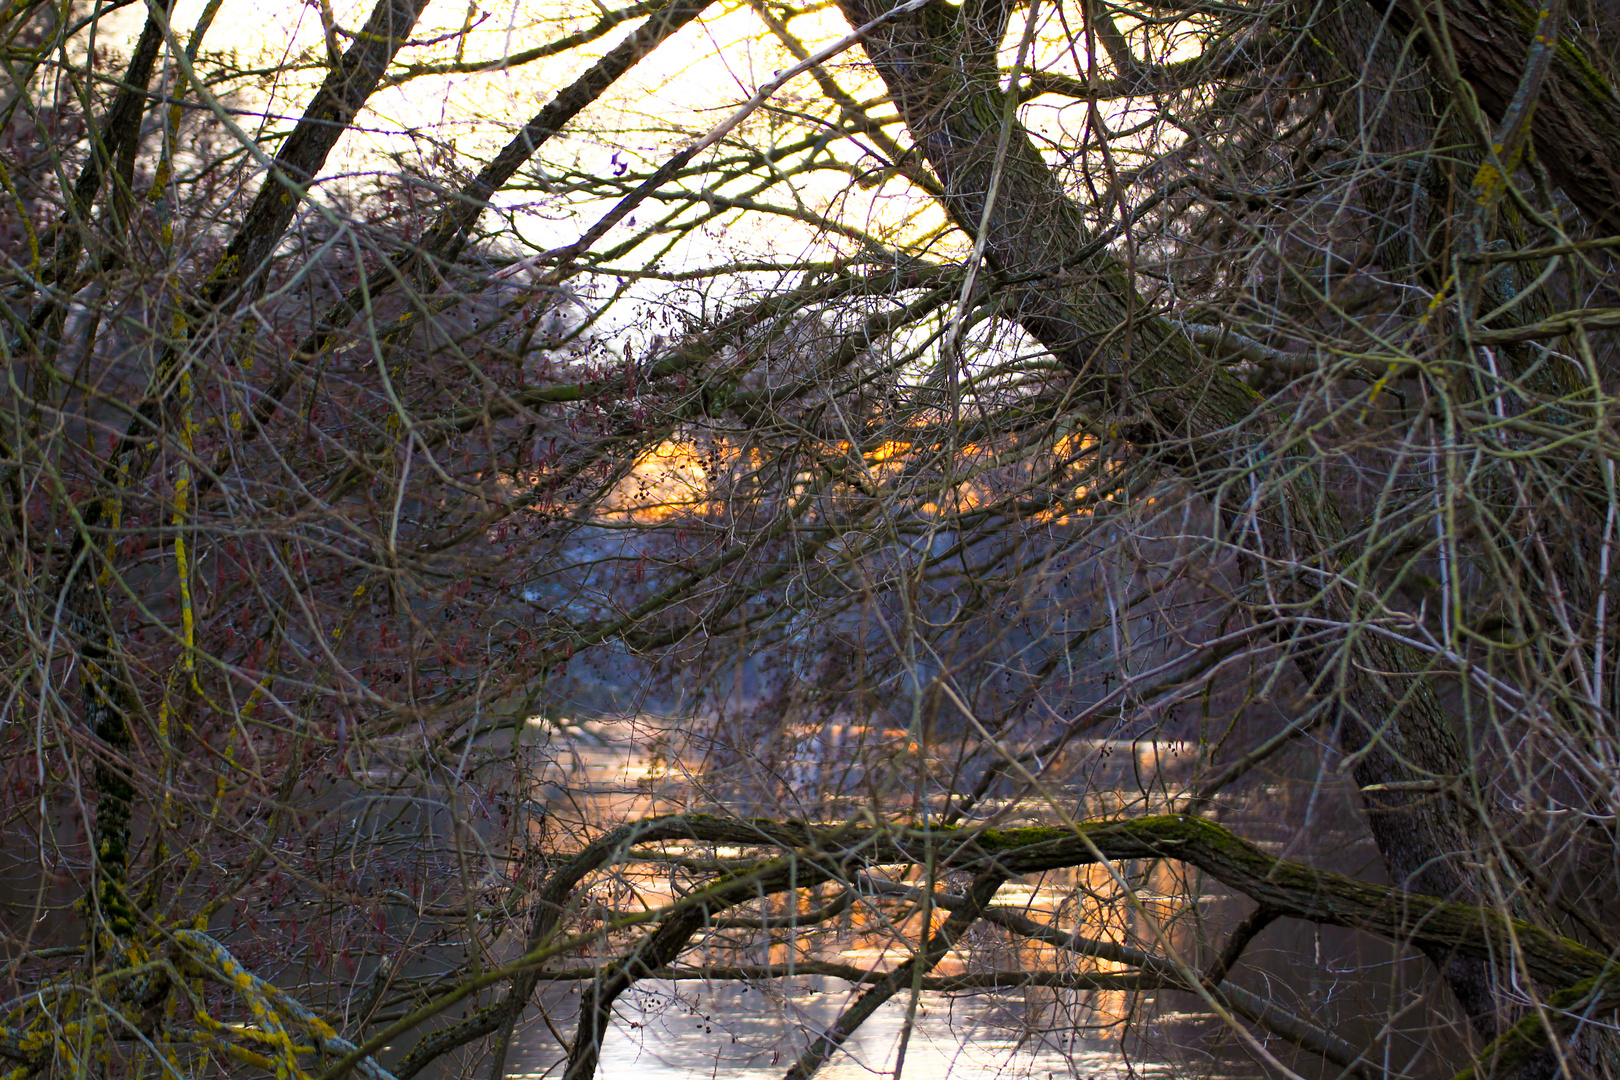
{"x":690,"y":83}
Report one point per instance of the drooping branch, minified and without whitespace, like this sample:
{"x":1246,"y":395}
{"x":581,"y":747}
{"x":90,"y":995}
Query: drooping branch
{"x":654,"y":951}
{"x":816,"y":1054}
{"x":1292,"y":889}
{"x":1260,"y":1011}
{"x":659,"y":948}
{"x":822,"y":853}
{"x":1242,"y":935}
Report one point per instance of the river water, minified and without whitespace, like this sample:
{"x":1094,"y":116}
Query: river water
{"x":740,"y":1032}
{"x":737,"y":1030}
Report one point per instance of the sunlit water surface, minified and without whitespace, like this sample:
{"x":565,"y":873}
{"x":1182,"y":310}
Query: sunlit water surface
{"x":720,"y":1030}
{"x":728,"y":1031}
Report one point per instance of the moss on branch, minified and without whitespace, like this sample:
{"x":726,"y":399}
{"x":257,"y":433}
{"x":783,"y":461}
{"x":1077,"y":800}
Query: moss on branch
{"x":1292,"y":888}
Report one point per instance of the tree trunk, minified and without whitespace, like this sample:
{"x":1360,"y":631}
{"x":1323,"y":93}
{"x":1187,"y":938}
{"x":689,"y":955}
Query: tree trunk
{"x":1152,"y":386}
